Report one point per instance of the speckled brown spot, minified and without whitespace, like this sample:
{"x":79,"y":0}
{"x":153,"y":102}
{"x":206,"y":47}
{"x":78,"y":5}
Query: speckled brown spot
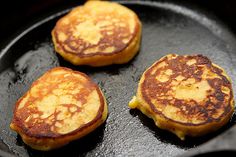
{"x":90,"y":31}
{"x":54,"y":100}
{"x":197,"y":89}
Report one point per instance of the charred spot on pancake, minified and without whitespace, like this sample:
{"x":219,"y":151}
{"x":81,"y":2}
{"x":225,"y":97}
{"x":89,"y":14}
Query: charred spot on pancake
{"x":187,"y":95}
{"x":186,"y":84}
{"x":61,"y":105}
{"x":97,"y":29}
{"x":104,"y":34}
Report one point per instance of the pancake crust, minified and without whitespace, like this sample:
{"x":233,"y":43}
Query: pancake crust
{"x":97,"y":34}
{"x":61,"y":106}
{"x":187,"y":95}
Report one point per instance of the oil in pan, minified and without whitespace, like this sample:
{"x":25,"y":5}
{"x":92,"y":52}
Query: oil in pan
{"x":167,"y":28}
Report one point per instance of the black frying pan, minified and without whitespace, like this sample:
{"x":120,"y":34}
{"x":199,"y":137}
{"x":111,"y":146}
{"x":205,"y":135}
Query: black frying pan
{"x":168,"y":27}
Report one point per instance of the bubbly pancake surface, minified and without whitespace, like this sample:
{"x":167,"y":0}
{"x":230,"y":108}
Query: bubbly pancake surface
{"x":96,"y":29}
{"x":186,"y":90}
{"x":60,"y":103}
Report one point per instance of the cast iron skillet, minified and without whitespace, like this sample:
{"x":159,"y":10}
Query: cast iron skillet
{"x":167,"y":28}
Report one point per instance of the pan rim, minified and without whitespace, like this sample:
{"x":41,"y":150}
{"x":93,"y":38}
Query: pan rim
{"x":30,"y":28}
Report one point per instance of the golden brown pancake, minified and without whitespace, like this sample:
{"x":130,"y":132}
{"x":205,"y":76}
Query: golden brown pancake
{"x":97,"y":34}
{"x":61,"y":106}
{"x":187,"y":95}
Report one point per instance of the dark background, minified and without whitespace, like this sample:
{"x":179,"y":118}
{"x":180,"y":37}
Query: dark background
{"x":17,"y":14}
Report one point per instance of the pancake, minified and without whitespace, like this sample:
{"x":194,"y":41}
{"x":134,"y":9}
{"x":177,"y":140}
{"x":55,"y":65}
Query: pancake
{"x":186,"y":95}
{"x":98,"y":33}
{"x":61,"y":106}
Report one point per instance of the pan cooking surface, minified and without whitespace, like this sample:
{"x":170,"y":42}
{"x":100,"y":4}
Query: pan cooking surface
{"x":167,"y":28}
